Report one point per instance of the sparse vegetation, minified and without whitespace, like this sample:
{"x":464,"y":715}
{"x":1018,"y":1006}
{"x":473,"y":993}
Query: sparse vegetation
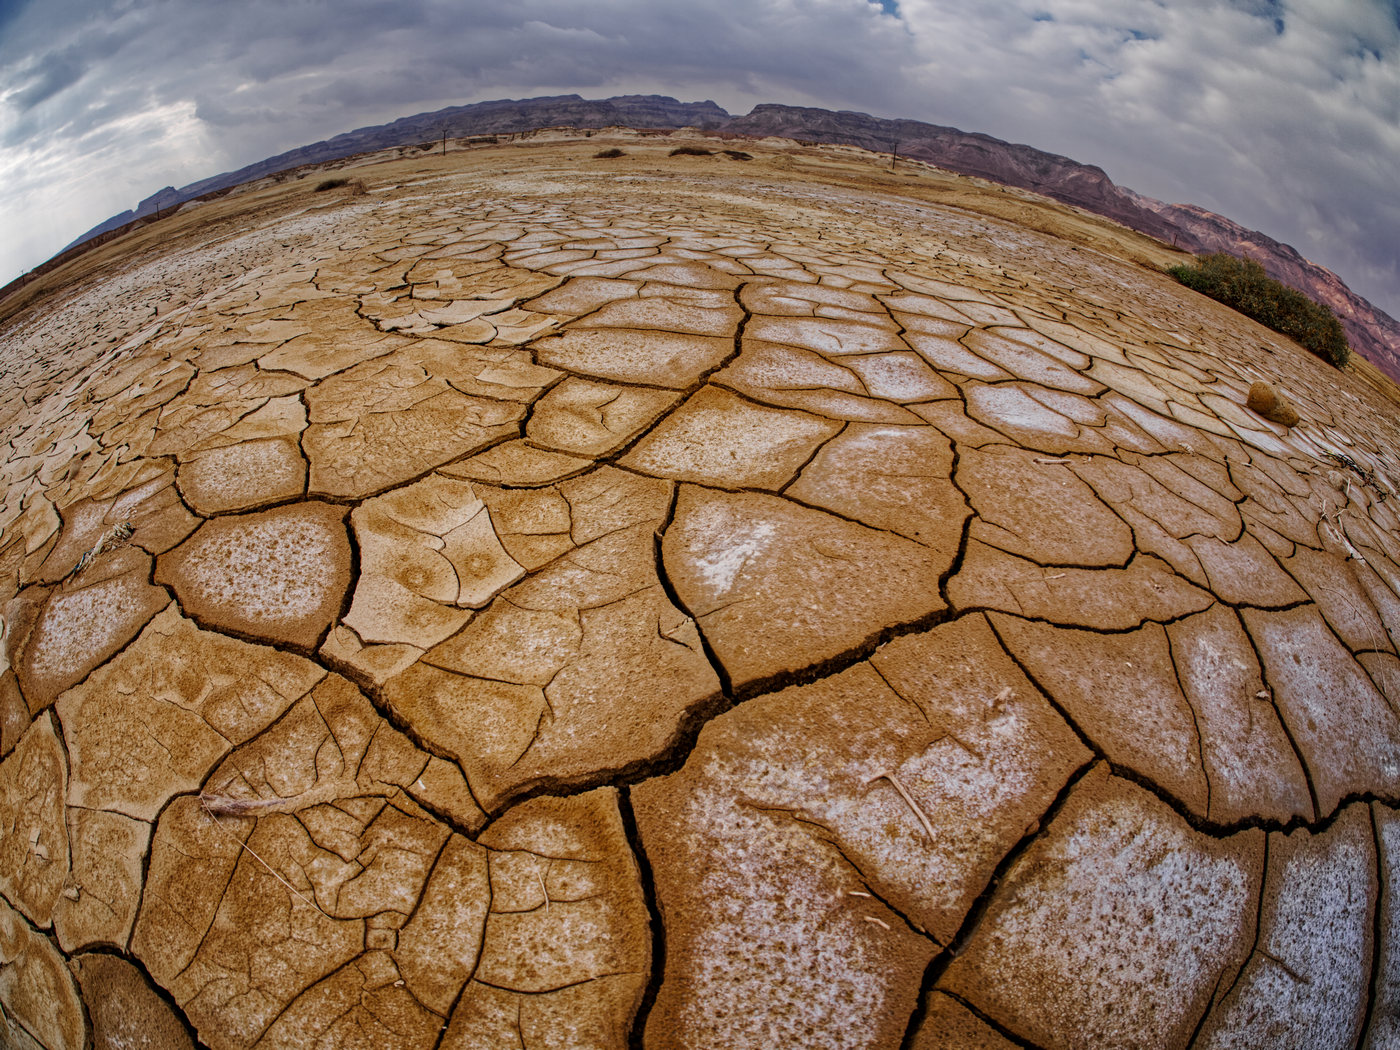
{"x":608,"y":154}
{"x":738,"y":154}
{"x":1368,"y":477}
{"x":1242,"y":285}
{"x":330,"y":184}
{"x":692,"y":151}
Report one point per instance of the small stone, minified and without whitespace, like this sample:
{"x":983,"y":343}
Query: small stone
{"x":1269,"y":402}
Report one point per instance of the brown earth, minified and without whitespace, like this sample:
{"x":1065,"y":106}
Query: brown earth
{"x":672,"y":602}
{"x":1372,"y":333}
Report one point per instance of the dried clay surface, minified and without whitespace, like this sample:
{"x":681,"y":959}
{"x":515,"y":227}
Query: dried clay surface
{"x":534,"y":603}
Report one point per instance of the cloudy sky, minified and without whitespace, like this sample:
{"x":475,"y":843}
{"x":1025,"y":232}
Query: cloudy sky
{"x":1283,"y":115}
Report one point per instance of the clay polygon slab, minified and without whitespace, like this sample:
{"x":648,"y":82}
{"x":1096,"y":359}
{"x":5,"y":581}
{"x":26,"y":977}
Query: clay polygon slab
{"x":777,"y":587}
{"x":277,"y":574}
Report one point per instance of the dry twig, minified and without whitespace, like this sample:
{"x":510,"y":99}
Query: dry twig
{"x":908,"y":799}
{"x":111,"y":540}
{"x":271,"y":871}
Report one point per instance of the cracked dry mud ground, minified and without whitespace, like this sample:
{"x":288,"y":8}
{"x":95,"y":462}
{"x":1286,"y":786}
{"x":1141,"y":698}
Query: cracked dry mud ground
{"x":685,"y":604}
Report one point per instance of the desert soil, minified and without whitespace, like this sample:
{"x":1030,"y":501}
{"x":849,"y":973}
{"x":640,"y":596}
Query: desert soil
{"x":552,"y":601}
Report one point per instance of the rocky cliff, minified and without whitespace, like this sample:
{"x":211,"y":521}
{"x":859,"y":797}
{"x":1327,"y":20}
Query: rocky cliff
{"x":1082,"y":185}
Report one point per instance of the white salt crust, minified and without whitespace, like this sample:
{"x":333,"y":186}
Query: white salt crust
{"x":270,"y":571}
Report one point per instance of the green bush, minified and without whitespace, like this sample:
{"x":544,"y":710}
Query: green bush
{"x":1243,"y":285}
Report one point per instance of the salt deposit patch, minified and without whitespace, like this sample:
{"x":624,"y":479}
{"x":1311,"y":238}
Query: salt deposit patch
{"x":265,"y":572}
{"x":237,"y":477}
{"x":776,"y":586}
{"x":1305,"y":984}
{"x":720,"y":439}
{"x":81,"y":626}
{"x":279,"y":574}
{"x":1008,"y":406}
{"x":816,"y":833}
{"x":1114,"y":928}
{"x":722,"y":566}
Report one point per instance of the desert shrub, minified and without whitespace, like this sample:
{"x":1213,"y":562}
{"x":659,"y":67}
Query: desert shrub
{"x":1243,"y":285}
{"x":608,"y":154}
{"x":330,"y":184}
{"x":692,"y":151}
{"x":738,"y":154}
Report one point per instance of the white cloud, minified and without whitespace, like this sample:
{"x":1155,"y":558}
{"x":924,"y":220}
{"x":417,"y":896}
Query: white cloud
{"x":1296,"y":132}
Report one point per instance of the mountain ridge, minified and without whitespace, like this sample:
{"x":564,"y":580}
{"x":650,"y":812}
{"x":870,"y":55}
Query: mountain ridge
{"x":1371,"y":331}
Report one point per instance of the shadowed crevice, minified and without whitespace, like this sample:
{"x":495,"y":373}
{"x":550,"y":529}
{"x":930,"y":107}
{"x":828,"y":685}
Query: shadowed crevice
{"x":1378,"y":910}
{"x":975,"y":914}
{"x":637,"y":1030}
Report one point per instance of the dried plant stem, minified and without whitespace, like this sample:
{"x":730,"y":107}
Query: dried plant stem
{"x":271,"y":871}
{"x":111,"y":540}
{"x":908,"y":799}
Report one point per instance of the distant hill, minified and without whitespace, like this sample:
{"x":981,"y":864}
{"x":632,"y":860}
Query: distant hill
{"x":506,"y":116}
{"x":1373,"y":333}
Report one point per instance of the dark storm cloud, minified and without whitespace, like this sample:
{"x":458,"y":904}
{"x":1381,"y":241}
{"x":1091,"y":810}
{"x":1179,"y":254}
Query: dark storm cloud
{"x":57,"y":72}
{"x":1281,"y":114}
{"x":9,"y":10}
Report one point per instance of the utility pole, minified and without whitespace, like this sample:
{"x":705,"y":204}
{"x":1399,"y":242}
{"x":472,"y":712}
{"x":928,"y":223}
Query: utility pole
{"x":894,"y":153}
{"x":444,"y":142}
